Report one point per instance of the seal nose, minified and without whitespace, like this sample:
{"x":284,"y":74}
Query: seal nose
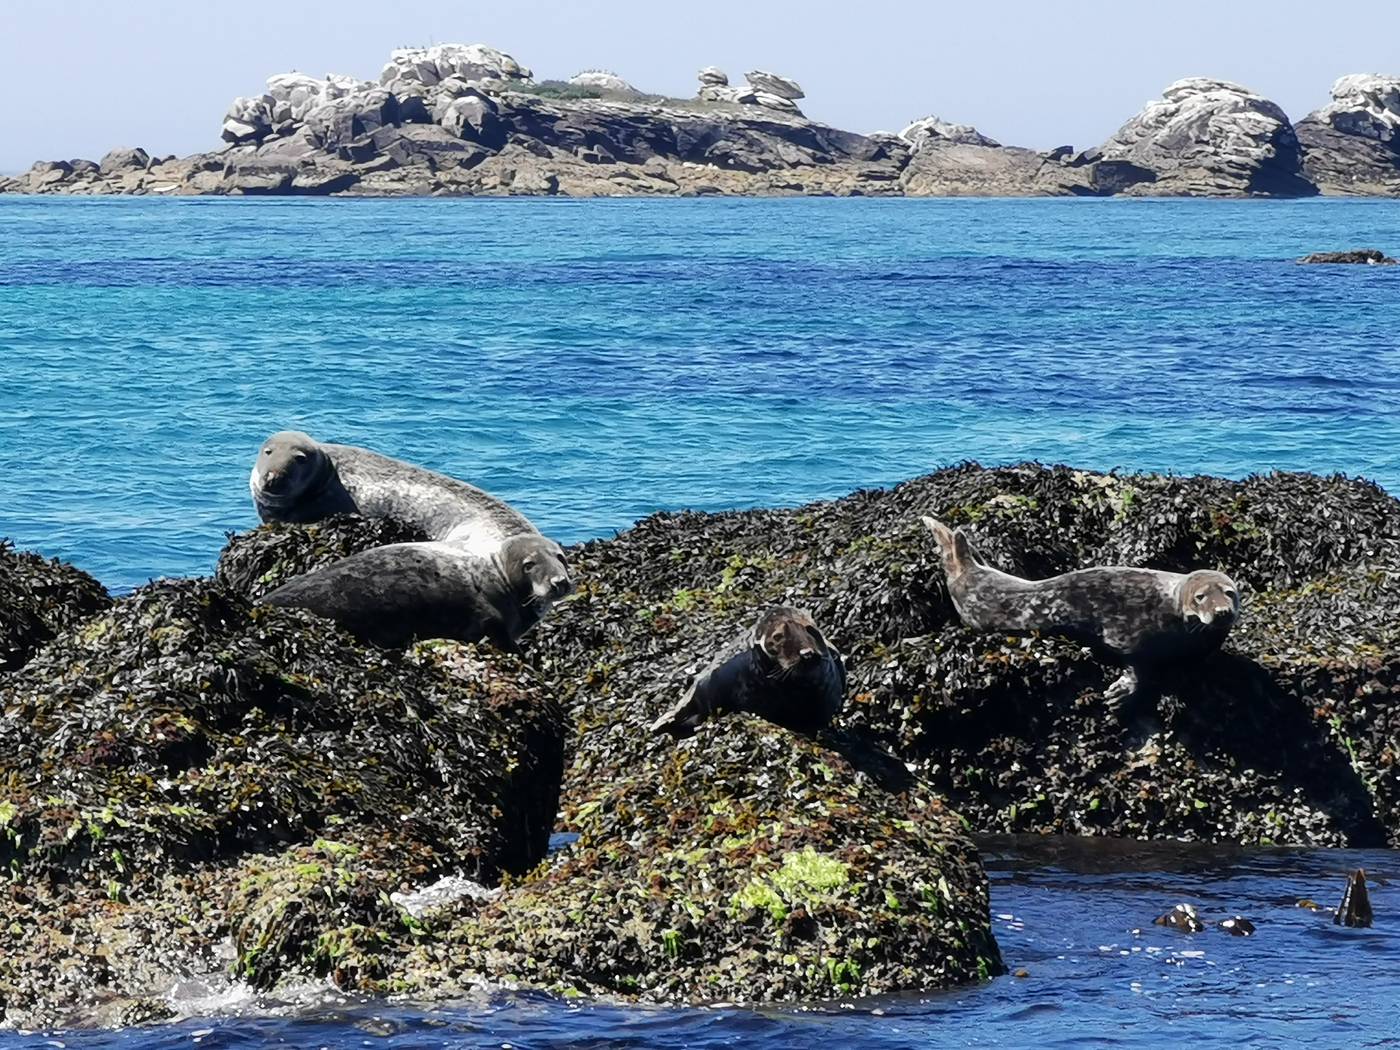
{"x":559,"y":586}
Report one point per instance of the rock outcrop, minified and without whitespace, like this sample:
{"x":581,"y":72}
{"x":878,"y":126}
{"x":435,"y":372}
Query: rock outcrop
{"x":1208,"y":137}
{"x":39,"y":597}
{"x":1352,"y":144}
{"x":1361,"y":256}
{"x":469,"y":119}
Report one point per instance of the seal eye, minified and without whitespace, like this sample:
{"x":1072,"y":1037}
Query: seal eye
{"x":1200,"y":597}
{"x":528,"y":564}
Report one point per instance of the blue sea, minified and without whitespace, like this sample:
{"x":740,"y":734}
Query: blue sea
{"x":594,"y":361}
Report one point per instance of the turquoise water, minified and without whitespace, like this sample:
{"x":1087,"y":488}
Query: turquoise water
{"x":595,"y":361}
{"x":592,"y":361}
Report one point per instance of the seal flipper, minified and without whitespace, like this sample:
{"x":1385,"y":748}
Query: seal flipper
{"x":957,"y":549}
{"x":683,"y":718}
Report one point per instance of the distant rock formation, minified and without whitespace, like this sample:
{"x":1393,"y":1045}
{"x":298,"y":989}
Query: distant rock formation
{"x":1361,"y":256}
{"x":1211,"y":138}
{"x":1352,"y":144}
{"x":455,"y":119}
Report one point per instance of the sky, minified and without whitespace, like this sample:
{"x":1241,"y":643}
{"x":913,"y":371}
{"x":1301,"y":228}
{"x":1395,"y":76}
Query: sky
{"x":89,"y":75}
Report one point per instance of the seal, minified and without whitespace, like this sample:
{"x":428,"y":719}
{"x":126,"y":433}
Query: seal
{"x":1142,"y":618}
{"x":402,"y":592}
{"x":782,"y":669}
{"x":299,"y":479}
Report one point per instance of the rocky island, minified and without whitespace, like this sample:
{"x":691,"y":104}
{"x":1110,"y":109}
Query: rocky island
{"x":197,"y":788}
{"x":470,"y":120}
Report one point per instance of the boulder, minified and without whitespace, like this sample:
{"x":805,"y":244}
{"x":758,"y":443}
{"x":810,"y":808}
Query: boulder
{"x":601,"y":80}
{"x":936,"y":131}
{"x":124,"y":160}
{"x":1352,"y":144}
{"x":473,"y":117}
{"x":742,"y":95}
{"x":770,"y":101}
{"x":1208,"y":137}
{"x":351,"y":117}
{"x":82,"y":166}
{"x":713,"y":76}
{"x":249,"y":119}
{"x":773,"y":84}
{"x":296,"y":94}
{"x":418,"y":68}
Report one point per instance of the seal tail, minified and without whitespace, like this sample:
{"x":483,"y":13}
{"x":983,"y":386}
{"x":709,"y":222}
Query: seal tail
{"x":956,"y":547}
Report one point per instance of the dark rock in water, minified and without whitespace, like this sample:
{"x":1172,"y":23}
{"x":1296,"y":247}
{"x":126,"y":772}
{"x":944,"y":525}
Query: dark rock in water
{"x":1355,"y":909}
{"x":185,"y":766}
{"x":257,"y":562}
{"x":1284,"y":737}
{"x":1182,"y":917}
{"x":40,"y":597}
{"x":1364,"y":256}
{"x":1237,"y":926}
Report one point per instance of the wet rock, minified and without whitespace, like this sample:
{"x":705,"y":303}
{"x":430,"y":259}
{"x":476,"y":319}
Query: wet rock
{"x":1363,"y":256}
{"x":745,"y":864}
{"x":1207,"y":137}
{"x":1182,"y":917}
{"x":184,"y":767}
{"x":1238,"y":926}
{"x":1352,"y":144}
{"x":1355,"y":909}
{"x":39,"y":598}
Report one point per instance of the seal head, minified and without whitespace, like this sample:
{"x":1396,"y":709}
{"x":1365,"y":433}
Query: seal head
{"x":536,"y":571}
{"x":290,"y":466}
{"x":1209,"y":600}
{"x":782,"y":669}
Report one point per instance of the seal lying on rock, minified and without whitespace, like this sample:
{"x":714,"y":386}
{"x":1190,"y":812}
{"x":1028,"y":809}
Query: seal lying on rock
{"x":393,"y":595}
{"x":783,"y":670}
{"x":298,"y":479}
{"x":1144,"y":618}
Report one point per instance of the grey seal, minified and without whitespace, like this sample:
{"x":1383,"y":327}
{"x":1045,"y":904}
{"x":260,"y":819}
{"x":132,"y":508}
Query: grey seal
{"x":782,"y":669}
{"x":402,"y":592}
{"x":299,"y":479}
{"x":1145,"y":619}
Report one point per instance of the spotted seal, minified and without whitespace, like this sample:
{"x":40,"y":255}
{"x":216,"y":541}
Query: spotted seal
{"x":395,"y":594}
{"x":782,"y":669}
{"x":1144,"y":619}
{"x":299,"y":479}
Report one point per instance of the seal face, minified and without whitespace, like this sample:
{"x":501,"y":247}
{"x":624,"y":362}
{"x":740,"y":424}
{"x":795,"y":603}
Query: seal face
{"x":299,"y":479}
{"x":1143,"y":618}
{"x":403,"y":592}
{"x":782,"y":669}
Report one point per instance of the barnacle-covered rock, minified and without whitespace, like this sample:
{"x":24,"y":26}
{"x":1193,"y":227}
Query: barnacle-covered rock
{"x":185,"y":762}
{"x":38,"y":598}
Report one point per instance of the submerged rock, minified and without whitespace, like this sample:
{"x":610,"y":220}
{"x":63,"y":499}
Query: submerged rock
{"x":1352,"y":144}
{"x":1212,"y":138}
{"x":40,"y":597}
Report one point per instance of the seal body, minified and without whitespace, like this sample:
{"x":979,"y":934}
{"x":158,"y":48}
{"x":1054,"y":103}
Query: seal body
{"x":299,"y":479}
{"x":783,"y":670}
{"x":392,"y":595}
{"x":1143,"y":618}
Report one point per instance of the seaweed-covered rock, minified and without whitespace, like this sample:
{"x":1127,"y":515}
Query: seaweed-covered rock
{"x":746,"y":864}
{"x":38,"y":598}
{"x":1285,"y":736}
{"x":188,"y":760}
{"x":261,"y":560}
